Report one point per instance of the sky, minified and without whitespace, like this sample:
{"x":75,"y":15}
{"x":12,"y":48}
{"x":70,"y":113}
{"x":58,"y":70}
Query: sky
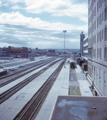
{"x":40,"y":23}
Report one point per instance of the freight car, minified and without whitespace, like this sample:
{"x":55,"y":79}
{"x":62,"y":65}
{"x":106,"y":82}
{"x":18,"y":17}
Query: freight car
{"x":4,"y":72}
{"x":72,"y":64}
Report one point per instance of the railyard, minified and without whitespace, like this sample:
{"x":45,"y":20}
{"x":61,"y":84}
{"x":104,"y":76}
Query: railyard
{"x":30,"y":91}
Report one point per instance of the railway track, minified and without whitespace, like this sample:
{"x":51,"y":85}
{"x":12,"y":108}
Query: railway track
{"x":4,"y":96}
{"x":13,"y":77}
{"x":36,"y":63}
{"x":33,"y":106}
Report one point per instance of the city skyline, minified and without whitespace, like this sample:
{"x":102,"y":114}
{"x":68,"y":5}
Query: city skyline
{"x":41,"y":23}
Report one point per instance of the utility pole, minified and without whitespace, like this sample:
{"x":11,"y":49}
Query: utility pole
{"x":64,"y":31}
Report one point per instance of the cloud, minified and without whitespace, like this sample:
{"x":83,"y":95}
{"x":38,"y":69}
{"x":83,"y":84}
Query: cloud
{"x":14,"y":1}
{"x":16,"y":18}
{"x":3,"y":3}
{"x":16,"y":29}
{"x":0,"y":3}
{"x":59,"y":8}
{"x":19,"y":30}
{"x":16,"y":7}
{"x":54,"y":7}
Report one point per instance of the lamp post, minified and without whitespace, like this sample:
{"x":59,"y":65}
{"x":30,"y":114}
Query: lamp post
{"x":64,"y":31}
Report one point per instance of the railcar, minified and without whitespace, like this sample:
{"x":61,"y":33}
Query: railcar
{"x":72,"y":64}
{"x":4,"y":72}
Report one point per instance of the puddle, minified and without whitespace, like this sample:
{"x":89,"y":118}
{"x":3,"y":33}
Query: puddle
{"x":64,"y":103}
{"x":79,"y":112}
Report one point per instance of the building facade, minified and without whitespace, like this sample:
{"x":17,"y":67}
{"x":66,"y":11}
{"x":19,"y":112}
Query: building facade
{"x":97,"y":45}
{"x":82,"y":36}
{"x":16,"y":52}
{"x":83,"y":45}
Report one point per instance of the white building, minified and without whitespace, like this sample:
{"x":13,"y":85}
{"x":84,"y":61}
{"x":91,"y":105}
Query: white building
{"x":97,"y":45}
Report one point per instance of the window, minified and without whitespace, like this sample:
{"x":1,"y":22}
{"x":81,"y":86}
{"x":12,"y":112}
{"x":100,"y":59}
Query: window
{"x":94,"y":53}
{"x":102,"y":34}
{"x":105,"y":12}
{"x":94,"y":70}
{"x":105,"y":33}
{"x":89,"y":71}
{"x":97,"y":37}
{"x":104,"y":77}
{"x":102,"y":16}
{"x":99,"y":74}
{"x":90,"y":52}
{"x":100,"y":53}
{"x":97,"y":6}
{"x":105,"y":53}
{"x":97,"y":53}
{"x":100,"y":20}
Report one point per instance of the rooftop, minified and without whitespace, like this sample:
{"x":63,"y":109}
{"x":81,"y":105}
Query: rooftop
{"x":80,"y":108}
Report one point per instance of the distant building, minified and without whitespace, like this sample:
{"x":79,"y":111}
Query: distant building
{"x":51,"y":53}
{"x":83,"y":59}
{"x":83,"y":47}
{"x":2,"y":50}
{"x":82,"y":36}
{"x":16,"y":52}
{"x":97,"y":45}
{"x":30,"y":52}
{"x":40,"y":52}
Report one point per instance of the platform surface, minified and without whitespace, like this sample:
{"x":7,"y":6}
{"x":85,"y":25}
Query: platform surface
{"x":60,"y":87}
{"x":11,"y":107}
{"x":80,"y":108}
{"x":83,"y":82}
{"x":11,"y":84}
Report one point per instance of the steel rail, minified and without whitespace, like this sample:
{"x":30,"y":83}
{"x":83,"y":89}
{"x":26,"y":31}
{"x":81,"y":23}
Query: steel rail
{"x":38,"y":97}
{"x":36,"y":63}
{"x":20,"y":85}
{"x":20,"y":74}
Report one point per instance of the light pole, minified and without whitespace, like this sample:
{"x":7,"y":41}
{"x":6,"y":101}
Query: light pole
{"x":64,"y":31}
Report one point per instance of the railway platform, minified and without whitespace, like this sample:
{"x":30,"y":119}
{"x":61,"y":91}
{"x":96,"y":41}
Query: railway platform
{"x":60,"y":87}
{"x":83,"y":82}
{"x":12,"y":106}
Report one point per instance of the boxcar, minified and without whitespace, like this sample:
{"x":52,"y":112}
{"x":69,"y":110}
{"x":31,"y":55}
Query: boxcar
{"x":72,"y":64}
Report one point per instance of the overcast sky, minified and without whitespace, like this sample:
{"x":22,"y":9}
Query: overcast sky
{"x":40,"y":23}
